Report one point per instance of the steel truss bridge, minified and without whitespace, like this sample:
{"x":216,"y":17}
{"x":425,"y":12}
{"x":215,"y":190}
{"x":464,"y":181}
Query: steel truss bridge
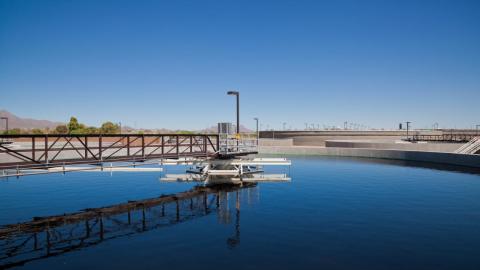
{"x":31,"y":151}
{"x":45,"y":237}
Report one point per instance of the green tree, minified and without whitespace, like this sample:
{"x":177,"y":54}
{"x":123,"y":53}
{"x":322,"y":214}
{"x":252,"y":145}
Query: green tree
{"x":14,"y":131}
{"x":37,"y":131}
{"x":186,"y":132}
{"x":92,"y":130}
{"x":61,"y":129}
{"x":110,"y":128}
{"x":73,"y":124}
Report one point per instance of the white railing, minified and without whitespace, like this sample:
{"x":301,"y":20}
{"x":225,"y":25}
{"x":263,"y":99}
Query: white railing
{"x":472,"y":147}
{"x":231,"y":144}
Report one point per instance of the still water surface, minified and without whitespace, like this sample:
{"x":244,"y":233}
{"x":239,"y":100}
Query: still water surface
{"x":335,"y":214}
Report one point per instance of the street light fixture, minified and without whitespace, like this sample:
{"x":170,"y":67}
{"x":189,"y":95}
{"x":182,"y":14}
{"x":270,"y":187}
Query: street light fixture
{"x":237,"y":94}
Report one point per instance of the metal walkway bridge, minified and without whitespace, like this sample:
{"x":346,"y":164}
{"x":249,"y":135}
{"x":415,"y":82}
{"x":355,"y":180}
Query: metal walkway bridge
{"x":43,"y":151}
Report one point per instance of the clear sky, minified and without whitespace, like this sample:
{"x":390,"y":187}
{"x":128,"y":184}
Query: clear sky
{"x":169,"y":63}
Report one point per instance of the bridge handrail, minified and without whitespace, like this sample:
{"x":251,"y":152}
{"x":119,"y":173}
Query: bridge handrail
{"x":33,"y":149}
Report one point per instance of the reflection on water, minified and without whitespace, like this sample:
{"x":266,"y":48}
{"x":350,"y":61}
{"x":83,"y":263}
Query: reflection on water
{"x":336,"y":214}
{"x":45,"y":237}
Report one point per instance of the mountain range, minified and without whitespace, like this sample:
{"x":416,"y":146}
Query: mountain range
{"x":29,"y":123}
{"x":25,"y":123}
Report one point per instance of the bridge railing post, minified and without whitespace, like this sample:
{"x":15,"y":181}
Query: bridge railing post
{"x":143,"y":146}
{"x":178,"y":144}
{"x":205,"y":144}
{"x":86,"y":147}
{"x":100,"y":147}
{"x":163,"y":145}
{"x":128,"y":145}
{"x":191,"y":143}
{"x":33,"y":147}
{"x":46,"y":149}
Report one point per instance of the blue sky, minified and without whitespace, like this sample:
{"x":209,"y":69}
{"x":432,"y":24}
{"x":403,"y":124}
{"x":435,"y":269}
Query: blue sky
{"x":169,"y":63}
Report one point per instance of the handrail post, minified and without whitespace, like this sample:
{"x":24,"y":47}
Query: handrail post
{"x":163,"y":145}
{"x":33,"y":148}
{"x":100,"y":147}
{"x":128,"y":145}
{"x":191,"y":143}
{"x":143,"y":146}
{"x":178,"y":145}
{"x":46,"y":149}
{"x":86,"y":147}
{"x":205,"y":144}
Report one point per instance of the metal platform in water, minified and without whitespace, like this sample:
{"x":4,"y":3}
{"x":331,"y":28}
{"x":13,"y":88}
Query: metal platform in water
{"x":232,"y":171}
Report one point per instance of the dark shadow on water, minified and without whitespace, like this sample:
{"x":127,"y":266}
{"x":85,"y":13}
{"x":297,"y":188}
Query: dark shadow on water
{"x":415,"y":164}
{"x":45,"y":237}
{"x":394,"y":162}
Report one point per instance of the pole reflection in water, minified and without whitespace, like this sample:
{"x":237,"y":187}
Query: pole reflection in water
{"x":45,"y":237}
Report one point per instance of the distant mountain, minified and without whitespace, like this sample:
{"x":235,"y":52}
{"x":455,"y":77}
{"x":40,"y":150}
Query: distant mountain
{"x":28,"y":123}
{"x":25,"y":123}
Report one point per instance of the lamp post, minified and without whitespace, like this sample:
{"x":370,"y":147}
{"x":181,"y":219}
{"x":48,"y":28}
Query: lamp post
{"x":408,"y":127}
{"x":476,"y":127}
{"x":6,"y":123}
{"x":237,"y":94}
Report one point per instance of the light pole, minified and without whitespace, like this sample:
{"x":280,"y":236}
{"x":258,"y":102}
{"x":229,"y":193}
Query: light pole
{"x":237,"y":94}
{"x":284,"y":125}
{"x":476,"y":127}
{"x":6,"y":123}
{"x":408,"y":127}
{"x":258,"y":133}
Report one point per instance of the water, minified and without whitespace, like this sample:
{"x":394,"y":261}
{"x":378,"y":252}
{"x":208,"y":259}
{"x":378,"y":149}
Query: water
{"x":335,"y":214}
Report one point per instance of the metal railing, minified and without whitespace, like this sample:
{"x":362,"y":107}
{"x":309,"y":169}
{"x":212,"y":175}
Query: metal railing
{"x":472,"y":147}
{"x":232,"y":144}
{"x":50,"y":150}
{"x":447,"y":137}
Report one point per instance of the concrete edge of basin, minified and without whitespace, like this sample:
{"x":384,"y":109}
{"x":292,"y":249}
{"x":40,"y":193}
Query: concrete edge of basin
{"x":422,"y":156}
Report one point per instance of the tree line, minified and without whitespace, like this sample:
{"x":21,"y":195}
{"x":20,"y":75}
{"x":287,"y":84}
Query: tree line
{"x":72,"y":127}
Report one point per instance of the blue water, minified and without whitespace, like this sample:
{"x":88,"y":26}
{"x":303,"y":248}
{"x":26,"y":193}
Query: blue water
{"x":334,"y":214}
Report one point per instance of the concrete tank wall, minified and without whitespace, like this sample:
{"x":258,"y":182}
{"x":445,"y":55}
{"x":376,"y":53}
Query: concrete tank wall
{"x":320,"y":140}
{"x":430,"y":147}
{"x":434,"y":157}
{"x":280,"y":142}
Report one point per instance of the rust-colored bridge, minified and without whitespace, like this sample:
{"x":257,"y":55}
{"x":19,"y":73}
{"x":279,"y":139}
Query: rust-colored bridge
{"x":27,"y":151}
